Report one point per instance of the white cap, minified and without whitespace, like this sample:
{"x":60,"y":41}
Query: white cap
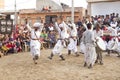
{"x":37,"y":24}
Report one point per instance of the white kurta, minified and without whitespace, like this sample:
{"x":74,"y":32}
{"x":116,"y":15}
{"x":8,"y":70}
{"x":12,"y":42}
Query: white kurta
{"x":73,"y":42}
{"x":72,"y":45}
{"x":113,"y":45}
{"x":90,"y":52}
{"x":58,"y":47}
{"x":82,"y":47}
{"x":35,"y":44}
{"x":113,"y":24}
{"x":60,"y":43}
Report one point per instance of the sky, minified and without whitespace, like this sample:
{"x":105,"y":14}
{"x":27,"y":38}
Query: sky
{"x":77,"y":3}
{"x":26,"y":4}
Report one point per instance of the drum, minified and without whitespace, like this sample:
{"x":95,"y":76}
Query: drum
{"x":101,"y":43}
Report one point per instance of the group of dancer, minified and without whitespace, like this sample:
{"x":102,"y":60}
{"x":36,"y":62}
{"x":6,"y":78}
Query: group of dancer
{"x":68,"y":33}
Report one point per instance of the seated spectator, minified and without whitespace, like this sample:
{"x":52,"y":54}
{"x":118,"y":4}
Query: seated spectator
{"x":51,"y":27}
{"x":46,"y":27}
{"x":113,"y":23}
{"x":79,"y":23}
{"x":6,"y":38}
{"x":52,"y":38}
{"x":18,"y":45}
{"x":4,"y":48}
{"x":23,"y":40}
{"x":12,"y":47}
{"x":28,"y":39}
{"x":43,"y":36}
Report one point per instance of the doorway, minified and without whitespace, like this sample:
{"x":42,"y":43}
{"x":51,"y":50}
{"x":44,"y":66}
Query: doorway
{"x":50,"y":18}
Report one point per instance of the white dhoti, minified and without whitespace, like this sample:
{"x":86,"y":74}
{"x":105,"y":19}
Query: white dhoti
{"x":35,"y":47}
{"x":58,"y":47}
{"x":113,"y":45}
{"x":82,"y":47}
{"x":72,"y":45}
{"x":119,"y":47}
{"x":90,"y":54}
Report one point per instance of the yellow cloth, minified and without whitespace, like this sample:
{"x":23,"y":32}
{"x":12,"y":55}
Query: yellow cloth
{"x":5,"y":48}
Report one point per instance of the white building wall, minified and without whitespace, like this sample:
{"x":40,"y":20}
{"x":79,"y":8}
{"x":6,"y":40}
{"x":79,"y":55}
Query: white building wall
{"x":103,"y":8}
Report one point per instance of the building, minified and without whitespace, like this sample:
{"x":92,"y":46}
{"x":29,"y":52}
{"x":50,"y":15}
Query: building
{"x":103,"y":7}
{"x":32,"y":15}
{"x":47,"y":11}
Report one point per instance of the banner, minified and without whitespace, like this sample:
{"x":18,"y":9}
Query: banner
{"x":6,"y":26}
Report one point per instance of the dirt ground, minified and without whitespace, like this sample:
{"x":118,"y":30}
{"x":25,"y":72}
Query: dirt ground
{"x":21,"y":67}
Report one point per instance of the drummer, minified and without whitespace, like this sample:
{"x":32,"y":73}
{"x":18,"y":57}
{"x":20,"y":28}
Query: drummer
{"x":113,"y":45}
{"x":98,"y":33}
{"x":113,"y":40}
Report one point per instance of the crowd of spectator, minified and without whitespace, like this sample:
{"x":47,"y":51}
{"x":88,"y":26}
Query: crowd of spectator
{"x":20,"y":38}
{"x":105,"y":21}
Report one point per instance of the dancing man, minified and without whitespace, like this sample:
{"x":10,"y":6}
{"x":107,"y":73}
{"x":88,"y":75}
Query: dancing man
{"x":89,"y":42}
{"x":35,"y":40}
{"x":62,"y":31}
{"x":72,"y":46}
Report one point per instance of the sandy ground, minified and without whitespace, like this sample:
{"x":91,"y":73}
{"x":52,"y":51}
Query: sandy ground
{"x":21,"y":67}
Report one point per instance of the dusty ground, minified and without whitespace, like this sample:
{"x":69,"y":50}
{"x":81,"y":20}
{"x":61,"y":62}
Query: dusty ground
{"x":21,"y":67}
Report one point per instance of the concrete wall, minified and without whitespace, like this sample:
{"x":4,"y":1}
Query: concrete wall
{"x":103,"y":8}
{"x":32,"y":17}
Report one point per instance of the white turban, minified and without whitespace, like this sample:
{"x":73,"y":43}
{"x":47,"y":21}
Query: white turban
{"x":37,"y":24}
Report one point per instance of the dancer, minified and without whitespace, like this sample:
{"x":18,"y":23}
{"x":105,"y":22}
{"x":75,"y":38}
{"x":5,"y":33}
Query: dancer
{"x":35,"y":40}
{"x":89,"y":41}
{"x":72,"y":46}
{"x":62,"y":30}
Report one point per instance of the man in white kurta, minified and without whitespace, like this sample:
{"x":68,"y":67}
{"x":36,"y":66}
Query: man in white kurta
{"x":62,"y":30}
{"x":72,"y":46}
{"x":98,"y":33}
{"x":35,"y":40}
{"x":113,"y":44}
{"x":90,"y":52}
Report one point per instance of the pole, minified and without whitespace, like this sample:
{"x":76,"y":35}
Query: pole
{"x":15,"y":17}
{"x":72,"y":13}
